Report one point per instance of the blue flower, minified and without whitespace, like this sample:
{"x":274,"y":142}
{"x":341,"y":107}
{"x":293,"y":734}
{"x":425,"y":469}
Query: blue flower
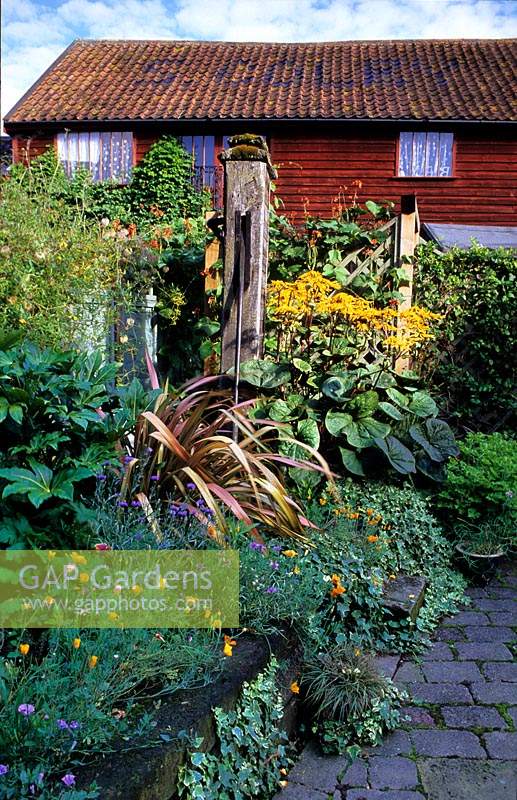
{"x":271,"y":590}
{"x":277,"y":548}
{"x":191,"y":486}
{"x":74,"y":725}
{"x":122,"y":504}
{"x":4,"y":769}
{"x":136,"y":503}
{"x":155,"y":477}
{"x":62,"y":725}
{"x":274,"y":564}
{"x":257,"y":546}
{"x":101,"y":477}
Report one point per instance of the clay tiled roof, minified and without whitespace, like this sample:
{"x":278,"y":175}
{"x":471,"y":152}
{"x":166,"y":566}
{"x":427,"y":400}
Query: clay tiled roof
{"x":146,"y":80}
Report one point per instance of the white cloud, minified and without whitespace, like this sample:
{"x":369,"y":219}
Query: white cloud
{"x":36,"y":31}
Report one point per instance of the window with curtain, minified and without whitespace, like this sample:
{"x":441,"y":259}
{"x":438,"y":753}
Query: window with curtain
{"x":425,"y":155}
{"x":107,"y":155}
{"x":202,"y":149}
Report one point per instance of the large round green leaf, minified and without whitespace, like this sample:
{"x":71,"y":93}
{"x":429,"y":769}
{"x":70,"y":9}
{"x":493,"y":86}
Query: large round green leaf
{"x":397,"y":397}
{"x":423,"y":405}
{"x":390,"y":410}
{"x":362,"y":432}
{"x":339,"y":387}
{"x":280,"y":411}
{"x":441,"y":436}
{"x":397,"y":454}
{"x":264,"y":374}
{"x":337,"y":421}
{"x":351,"y":461}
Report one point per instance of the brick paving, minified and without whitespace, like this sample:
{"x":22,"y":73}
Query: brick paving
{"x":459,"y":741}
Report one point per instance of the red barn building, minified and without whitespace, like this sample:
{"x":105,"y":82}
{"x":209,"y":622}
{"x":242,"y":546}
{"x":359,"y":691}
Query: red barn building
{"x":380,"y":118}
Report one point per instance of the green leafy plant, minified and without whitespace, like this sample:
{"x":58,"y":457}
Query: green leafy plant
{"x":332,"y":380}
{"x":474,"y":291}
{"x":251,"y":748}
{"x":54,"y":440}
{"x":492,"y":536}
{"x":481,"y":482}
{"x":351,"y":702}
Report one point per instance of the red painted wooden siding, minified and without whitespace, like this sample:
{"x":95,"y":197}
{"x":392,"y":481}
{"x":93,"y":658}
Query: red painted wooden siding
{"x":316,"y":170}
{"x":313,"y":172}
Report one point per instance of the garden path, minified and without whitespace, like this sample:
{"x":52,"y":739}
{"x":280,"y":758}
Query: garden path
{"x":461,"y":741}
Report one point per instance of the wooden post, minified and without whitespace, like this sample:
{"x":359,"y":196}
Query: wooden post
{"x":247,"y":173}
{"x":409,"y":231}
{"x":212,"y":282}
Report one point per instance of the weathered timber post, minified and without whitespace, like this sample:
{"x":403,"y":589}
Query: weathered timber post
{"x":212,"y":283}
{"x":409,"y":232}
{"x":247,"y":174}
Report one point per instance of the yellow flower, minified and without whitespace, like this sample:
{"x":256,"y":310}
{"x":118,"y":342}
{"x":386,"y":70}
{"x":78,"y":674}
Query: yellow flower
{"x":372,"y":539}
{"x":49,"y":600}
{"x":78,"y":558}
{"x":84,"y":577}
{"x":370,"y":512}
{"x":353,"y":515}
{"x":357,"y":652}
{"x":92,"y":661}
{"x":392,"y":577}
{"x":295,"y":688}
{"x":136,"y":589}
{"x":51,"y":553}
{"x":323,"y":501}
{"x":337,"y":590}
{"x":296,"y":570}
{"x":24,"y":649}
{"x":229,"y":644}
{"x":113,"y":616}
{"x":289,"y":553}
{"x":76,"y":643}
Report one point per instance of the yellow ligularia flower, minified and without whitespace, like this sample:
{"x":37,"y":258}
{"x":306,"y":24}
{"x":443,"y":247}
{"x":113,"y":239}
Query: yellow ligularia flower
{"x":24,"y":649}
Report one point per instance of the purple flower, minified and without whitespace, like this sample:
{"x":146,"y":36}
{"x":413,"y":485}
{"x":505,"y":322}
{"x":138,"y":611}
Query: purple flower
{"x":274,"y":564}
{"x":68,"y":779}
{"x":101,"y":477}
{"x":191,"y":486}
{"x":138,"y":537}
{"x":182,"y":512}
{"x":4,"y":769}
{"x":41,"y":775}
{"x":257,"y":546}
{"x":74,"y":725}
{"x":127,"y":459}
{"x":155,"y":477}
{"x":148,"y":450}
{"x":122,"y":504}
{"x":173,"y":511}
{"x":62,"y":725}
{"x":200,"y":503}
{"x":277,"y":548}
{"x":26,"y":709}
{"x":271,"y":590}
{"x":136,"y":503}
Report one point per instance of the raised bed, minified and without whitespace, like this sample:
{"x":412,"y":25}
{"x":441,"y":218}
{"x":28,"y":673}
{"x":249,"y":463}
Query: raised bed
{"x":151,"y":773}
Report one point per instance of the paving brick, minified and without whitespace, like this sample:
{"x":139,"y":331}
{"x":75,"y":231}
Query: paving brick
{"x":392,"y":773}
{"x":472,"y":717}
{"x":467,"y":618}
{"x":502,"y":592}
{"x":452,"y":634}
{"x":396,"y":744}
{"x":387,"y":665}
{"x":483,"y":651}
{"x":409,"y":673}
{"x":489,"y":604}
{"x":501,"y":672}
{"x":492,"y":692}
{"x":467,"y":779}
{"x":374,"y":794}
{"x":451,"y":671}
{"x":490,"y":634}
{"x":440,"y":692}
{"x":356,"y":775}
{"x":294,"y":791}
{"x":439,"y":651}
{"x":447,"y":743}
{"x":316,"y":771}
{"x":475,"y":593}
{"x":417,"y":716}
{"x":503,"y":618}
{"x":500,"y":745}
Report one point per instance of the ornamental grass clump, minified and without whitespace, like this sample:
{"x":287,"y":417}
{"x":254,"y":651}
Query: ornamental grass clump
{"x":186,"y":450}
{"x":350,"y":701}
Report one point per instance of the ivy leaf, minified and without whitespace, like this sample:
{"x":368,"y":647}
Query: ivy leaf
{"x":4,"y":405}
{"x":351,"y":461}
{"x":397,"y":454}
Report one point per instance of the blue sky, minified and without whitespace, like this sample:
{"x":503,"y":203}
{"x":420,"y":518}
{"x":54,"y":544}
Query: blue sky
{"x":34,"y":32}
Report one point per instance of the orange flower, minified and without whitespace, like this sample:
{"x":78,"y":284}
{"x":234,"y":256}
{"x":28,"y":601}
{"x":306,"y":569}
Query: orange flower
{"x":92,"y":662}
{"x":353,"y":515}
{"x":372,"y":538}
{"x":76,"y":643}
{"x":295,"y":687}
{"x":370,"y":512}
{"x":337,"y":590}
{"x":229,"y":644}
{"x":24,"y":649}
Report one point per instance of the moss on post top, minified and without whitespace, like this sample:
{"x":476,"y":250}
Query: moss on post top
{"x":248,"y":147}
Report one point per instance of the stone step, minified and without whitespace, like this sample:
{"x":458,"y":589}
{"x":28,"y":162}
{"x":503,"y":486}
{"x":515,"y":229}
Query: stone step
{"x":403,"y":597}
